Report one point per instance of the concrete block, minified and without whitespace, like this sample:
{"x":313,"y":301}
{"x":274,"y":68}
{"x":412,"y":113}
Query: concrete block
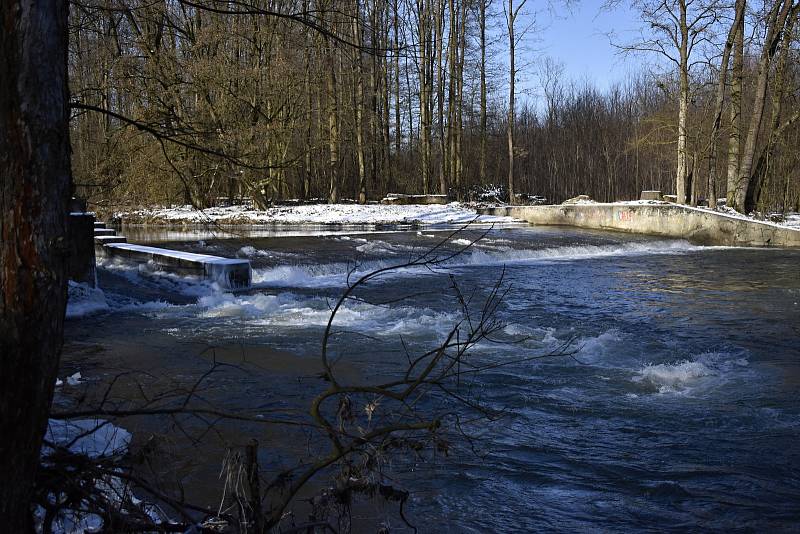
{"x":80,"y":234}
{"x":650,"y":195}
{"x":227,"y":272}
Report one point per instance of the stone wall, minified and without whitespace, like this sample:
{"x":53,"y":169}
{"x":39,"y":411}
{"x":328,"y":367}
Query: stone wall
{"x":700,"y":227}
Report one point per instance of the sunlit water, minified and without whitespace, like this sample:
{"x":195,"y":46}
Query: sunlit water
{"x":678,"y":408}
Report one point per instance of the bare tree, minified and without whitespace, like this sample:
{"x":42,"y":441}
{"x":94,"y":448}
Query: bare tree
{"x":675,"y":28}
{"x":512,"y":13}
{"x":733,"y":34}
{"x":774,"y":25}
{"x":734,"y":139}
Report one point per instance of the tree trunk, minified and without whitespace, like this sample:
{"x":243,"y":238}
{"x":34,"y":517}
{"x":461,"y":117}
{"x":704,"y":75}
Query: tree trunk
{"x":333,"y":129}
{"x":440,"y":7}
{"x":775,"y":23}
{"x":719,"y":101}
{"x":34,"y":196}
{"x":683,"y":108}
{"x":734,"y":140}
{"x":512,"y":74}
{"x":425,"y":74}
{"x":482,"y":24}
{"x":759,"y":176}
{"x":359,"y":106}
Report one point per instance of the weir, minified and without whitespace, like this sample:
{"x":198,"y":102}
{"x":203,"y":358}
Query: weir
{"x":227,"y":272}
{"x":700,"y":227}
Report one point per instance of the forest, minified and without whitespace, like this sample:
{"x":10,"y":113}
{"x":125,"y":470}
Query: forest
{"x":177,"y":101}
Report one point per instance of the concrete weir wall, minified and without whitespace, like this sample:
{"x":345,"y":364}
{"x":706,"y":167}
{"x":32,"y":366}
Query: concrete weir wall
{"x":698,"y":226}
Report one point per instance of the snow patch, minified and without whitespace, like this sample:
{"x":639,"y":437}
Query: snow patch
{"x":94,"y":438}
{"x":328,"y":214}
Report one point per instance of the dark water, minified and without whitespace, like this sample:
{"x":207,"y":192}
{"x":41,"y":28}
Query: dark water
{"x":679,"y":408}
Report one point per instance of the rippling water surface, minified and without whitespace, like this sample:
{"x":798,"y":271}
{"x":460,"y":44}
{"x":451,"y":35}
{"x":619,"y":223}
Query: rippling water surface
{"x":679,"y":407}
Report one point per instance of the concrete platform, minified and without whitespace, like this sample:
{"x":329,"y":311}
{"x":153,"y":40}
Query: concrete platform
{"x":228,"y":273}
{"x":104,"y":231}
{"x":701,"y":227}
{"x":108,"y":239}
{"x":99,"y":224}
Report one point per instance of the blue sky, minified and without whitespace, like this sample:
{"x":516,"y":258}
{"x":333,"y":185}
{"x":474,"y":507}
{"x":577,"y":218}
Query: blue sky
{"x":577,"y":39}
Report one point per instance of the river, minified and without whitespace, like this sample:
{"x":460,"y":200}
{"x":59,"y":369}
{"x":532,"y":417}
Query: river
{"x":677,"y":407}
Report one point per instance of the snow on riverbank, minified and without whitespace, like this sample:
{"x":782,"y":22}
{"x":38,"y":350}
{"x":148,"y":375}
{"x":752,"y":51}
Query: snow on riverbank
{"x":347,"y":214}
{"x":98,"y":441}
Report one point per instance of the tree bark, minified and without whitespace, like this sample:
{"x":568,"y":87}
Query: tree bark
{"x":683,"y":108}
{"x":483,"y":140}
{"x":734,"y":140}
{"x":512,"y":74}
{"x":775,"y":23}
{"x":359,"y":106}
{"x":719,"y":101}
{"x":759,"y":175}
{"x":425,"y":63}
{"x":34,"y":197}
{"x":333,"y":129}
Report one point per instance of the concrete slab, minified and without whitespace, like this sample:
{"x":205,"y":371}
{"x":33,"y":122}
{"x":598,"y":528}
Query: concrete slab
{"x":698,"y":226}
{"x":99,"y":224}
{"x":650,"y":195}
{"x":104,"y":231}
{"x":227,"y":272}
{"x":108,"y":239}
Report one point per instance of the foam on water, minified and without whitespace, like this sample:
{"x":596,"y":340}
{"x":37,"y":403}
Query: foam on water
{"x":673,"y":377}
{"x":327,"y":274}
{"x":335,"y":274}
{"x":545,"y":335}
{"x":287,"y":310}
{"x":377,"y":246}
{"x":83,"y":300}
{"x":570,"y":253}
{"x":686,"y":376}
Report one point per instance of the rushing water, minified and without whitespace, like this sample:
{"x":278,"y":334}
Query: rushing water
{"x":678,"y":409}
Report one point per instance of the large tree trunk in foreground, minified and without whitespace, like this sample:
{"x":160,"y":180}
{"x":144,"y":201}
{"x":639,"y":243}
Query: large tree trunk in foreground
{"x":34,"y":194}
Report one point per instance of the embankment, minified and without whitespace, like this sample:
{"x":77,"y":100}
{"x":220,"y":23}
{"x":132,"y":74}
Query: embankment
{"x":698,"y":226}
